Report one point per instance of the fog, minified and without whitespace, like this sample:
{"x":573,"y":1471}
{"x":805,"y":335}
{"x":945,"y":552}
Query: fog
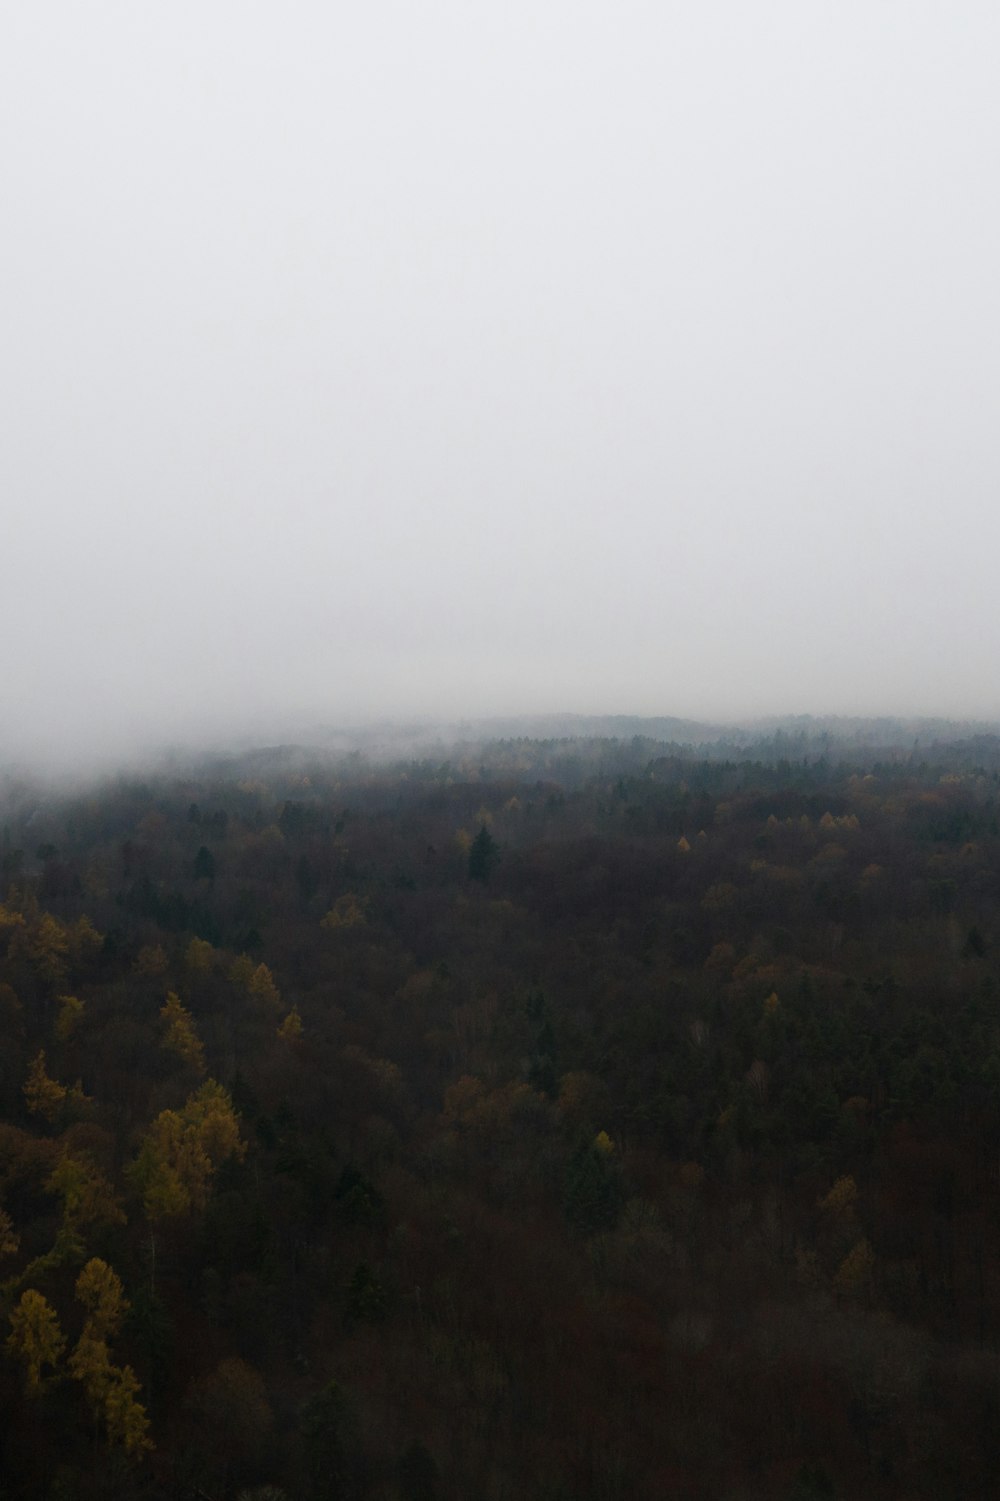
{"x":452,"y":359}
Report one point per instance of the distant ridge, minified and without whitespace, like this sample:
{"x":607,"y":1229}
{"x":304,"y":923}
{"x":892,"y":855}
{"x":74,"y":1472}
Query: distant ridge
{"x":592,"y":727}
{"x":286,"y":747}
{"x":879,"y":730}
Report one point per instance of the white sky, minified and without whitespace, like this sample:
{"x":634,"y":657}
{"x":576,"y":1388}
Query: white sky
{"x":463,"y":358}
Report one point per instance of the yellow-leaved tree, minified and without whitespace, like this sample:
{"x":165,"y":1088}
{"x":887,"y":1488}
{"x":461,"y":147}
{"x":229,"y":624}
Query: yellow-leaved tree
{"x":43,"y":1096}
{"x":48,"y":949}
{"x":100,"y":1291}
{"x":111,"y":1390}
{"x":842,"y":1198}
{"x":347,"y":912}
{"x":181,"y":1037}
{"x":263,"y":988}
{"x":83,"y":941}
{"x":126,"y":1418}
{"x":291,"y":1028}
{"x":47,"y":1097}
{"x":36,"y":1340}
{"x":855,"y":1276}
{"x":11,"y":921}
{"x":69,"y":1018}
{"x":10,"y":1241}
{"x":182,"y":1150}
{"x":241,"y":971}
{"x":88,"y":1198}
{"x":199,"y":956}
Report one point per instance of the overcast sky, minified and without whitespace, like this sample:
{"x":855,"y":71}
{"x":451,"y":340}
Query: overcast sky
{"x":462,"y":358}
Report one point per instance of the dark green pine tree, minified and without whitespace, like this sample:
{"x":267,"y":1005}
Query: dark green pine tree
{"x":483,"y":855}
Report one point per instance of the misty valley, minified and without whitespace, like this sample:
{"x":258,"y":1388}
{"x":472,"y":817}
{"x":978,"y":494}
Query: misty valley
{"x":603,"y":1114}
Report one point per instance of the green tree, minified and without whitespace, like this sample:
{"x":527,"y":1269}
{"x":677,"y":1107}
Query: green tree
{"x":594,"y":1190}
{"x":484,"y":852}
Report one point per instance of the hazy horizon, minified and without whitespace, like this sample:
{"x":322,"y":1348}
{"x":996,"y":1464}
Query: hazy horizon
{"x":374,"y":363}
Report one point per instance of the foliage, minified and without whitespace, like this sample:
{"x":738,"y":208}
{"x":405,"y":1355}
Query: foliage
{"x":43,"y":1096}
{"x":127,"y":1423}
{"x":89,"y":1199}
{"x":181,"y":1036}
{"x":36,"y":1340}
{"x":291,"y":1028}
{"x":69,"y":1018}
{"x":182,"y":1151}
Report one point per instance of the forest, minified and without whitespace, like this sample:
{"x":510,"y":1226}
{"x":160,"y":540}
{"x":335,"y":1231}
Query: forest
{"x":573,"y":1120}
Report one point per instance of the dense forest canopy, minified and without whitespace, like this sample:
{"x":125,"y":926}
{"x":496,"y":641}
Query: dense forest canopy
{"x":568,"y":1118}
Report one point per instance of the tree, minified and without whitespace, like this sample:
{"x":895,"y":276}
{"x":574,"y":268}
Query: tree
{"x":35,"y":1339}
{"x":126,"y":1418}
{"x":151,"y":961}
{"x":358,"y":1200}
{"x":49,"y":950}
{"x":43,"y":1096}
{"x":291,"y":1028}
{"x":84,"y":943}
{"x":182,"y":1150}
{"x":230,"y":1409}
{"x":346,"y":912}
{"x":263,"y":988}
{"x":594,"y":1190}
{"x":855,"y":1276}
{"x":88,"y":1198}
{"x":241,"y":971}
{"x":199,"y":956}
{"x":10,"y":1241}
{"x":181,"y":1037}
{"x":69,"y":1018}
{"x":100,"y":1291}
{"x":111,"y":1390}
{"x":484,"y":852}
{"x":90,"y":1364}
